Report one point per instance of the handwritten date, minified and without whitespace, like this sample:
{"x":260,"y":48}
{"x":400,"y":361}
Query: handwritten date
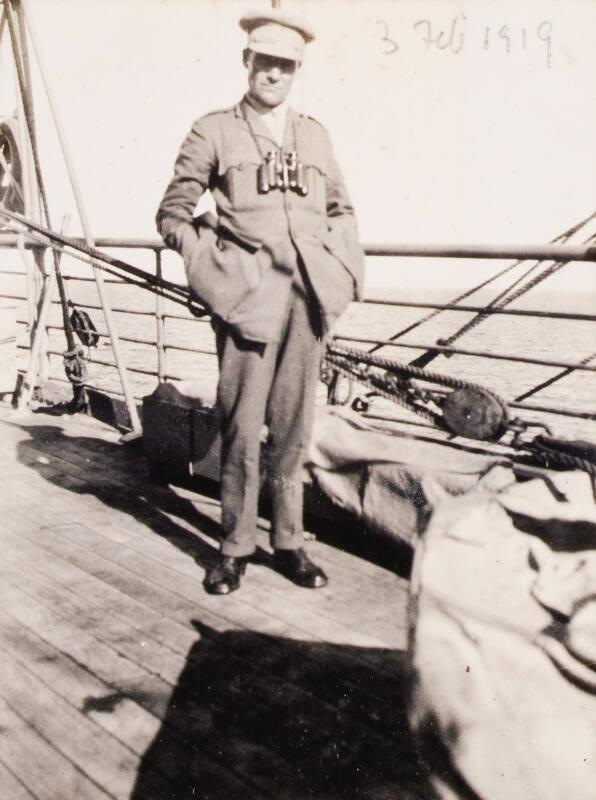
{"x":453,"y":38}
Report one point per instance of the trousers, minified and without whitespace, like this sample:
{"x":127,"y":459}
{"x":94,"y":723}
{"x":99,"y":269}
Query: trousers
{"x":272,"y":384}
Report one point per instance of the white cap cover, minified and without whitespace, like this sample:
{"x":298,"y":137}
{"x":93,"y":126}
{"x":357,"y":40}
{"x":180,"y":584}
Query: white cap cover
{"x":277,"y":33}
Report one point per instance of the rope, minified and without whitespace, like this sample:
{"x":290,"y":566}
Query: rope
{"x":409,"y":370}
{"x":342,"y":358}
{"x":549,"y":382}
{"x":562,"y":237}
{"x":507,"y":300}
{"x":503,"y":300}
{"x":438,"y":311}
{"x":93,"y":256}
{"x":554,"y":457}
{"x":397,"y":394}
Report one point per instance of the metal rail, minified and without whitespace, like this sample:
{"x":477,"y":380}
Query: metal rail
{"x":514,"y":312}
{"x":552,"y":252}
{"x":518,"y":252}
{"x":556,"y":410}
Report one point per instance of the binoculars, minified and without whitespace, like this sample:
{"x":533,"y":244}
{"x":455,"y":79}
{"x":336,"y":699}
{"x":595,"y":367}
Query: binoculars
{"x":281,"y":172}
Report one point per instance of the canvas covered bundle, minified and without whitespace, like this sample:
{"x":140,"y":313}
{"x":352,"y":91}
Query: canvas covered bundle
{"x":378,"y":476}
{"x":503,"y":641}
{"x":503,"y":606}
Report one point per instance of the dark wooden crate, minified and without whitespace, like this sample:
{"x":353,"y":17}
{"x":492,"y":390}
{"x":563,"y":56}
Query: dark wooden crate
{"x":180,"y":435}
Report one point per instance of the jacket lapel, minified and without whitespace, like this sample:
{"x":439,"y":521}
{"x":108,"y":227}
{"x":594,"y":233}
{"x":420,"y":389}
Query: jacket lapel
{"x":260,"y":130}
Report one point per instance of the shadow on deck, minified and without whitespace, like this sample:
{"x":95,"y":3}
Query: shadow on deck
{"x":117,"y":476}
{"x":151,"y":502}
{"x":299,"y":719}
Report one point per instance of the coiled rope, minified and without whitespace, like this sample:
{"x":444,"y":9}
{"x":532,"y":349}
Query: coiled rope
{"x":558,"y":453}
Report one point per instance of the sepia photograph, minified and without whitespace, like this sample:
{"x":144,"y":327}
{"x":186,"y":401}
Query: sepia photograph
{"x":297,"y":400}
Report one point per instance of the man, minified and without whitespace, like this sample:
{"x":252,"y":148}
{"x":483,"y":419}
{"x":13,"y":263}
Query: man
{"x":275,"y":269}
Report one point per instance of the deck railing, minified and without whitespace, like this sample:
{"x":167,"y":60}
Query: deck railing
{"x":161,"y":315}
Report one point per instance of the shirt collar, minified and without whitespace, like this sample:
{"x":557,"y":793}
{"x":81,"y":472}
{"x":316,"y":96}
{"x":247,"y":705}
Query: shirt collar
{"x":277,"y":113}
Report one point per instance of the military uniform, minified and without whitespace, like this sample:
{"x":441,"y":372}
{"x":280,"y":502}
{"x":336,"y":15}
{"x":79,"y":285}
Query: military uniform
{"x":235,"y":270}
{"x":275,"y":271}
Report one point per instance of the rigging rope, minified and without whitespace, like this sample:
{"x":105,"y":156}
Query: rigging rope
{"x":342,"y":359}
{"x":549,"y":382}
{"x":552,"y":453}
{"x":562,"y":237}
{"x":471,"y":410}
{"x":510,"y":298}
{"x":426,"y":358}
{"x":395,"y":387}
{"x":91,"y":255}
{"x":502,"y":300}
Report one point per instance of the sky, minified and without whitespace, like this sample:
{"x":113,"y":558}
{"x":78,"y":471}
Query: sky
{"x":452,"y":121}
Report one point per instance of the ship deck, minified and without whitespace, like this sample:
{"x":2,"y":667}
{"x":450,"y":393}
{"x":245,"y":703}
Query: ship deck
{"x":121,"y":678}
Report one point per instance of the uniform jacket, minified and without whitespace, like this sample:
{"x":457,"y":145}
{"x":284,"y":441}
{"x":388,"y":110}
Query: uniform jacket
{"x":235,"y":267}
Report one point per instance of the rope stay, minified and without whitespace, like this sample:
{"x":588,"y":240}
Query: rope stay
{"x":549,"y":382}
{"x":561,"y":238}
{"x":508,"y":298}
{"x":113,"y":266}
{"x":503,"y":299}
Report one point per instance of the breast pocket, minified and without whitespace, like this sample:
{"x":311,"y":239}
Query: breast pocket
{"x":316,"y":199}
{"x":312,"y":159}
{"x":238,"y":177}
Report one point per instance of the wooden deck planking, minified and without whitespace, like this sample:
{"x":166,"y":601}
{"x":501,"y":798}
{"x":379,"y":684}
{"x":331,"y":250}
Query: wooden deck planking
{"x":12,"y":787}
{"x":261,"y":692}
{"x":97,"y":593}
{"x":130,"y":642}
{"x":255,"y":599}
{"x":128,"y":721}
{"x":151,"y":690}
{"x":111,"y":707}
{"x":175,"y":505}
{"x":43,"y":769}
{"x":272,"y":692}
{"x":346,"y":596}
{"x":179,"y":638}
{"x":77,"y":737}
{"x":171,"y":502}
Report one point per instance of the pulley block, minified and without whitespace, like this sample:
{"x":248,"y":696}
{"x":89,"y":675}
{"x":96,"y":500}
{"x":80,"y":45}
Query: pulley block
{"x":475,"y":413}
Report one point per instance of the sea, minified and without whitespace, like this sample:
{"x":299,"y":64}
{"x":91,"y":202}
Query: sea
{"x":519,"y":336}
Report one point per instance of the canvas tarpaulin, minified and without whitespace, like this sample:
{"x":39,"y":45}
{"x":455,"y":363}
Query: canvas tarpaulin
{"x":503,"y":606}
{"x":503,"y":641}
{"x":378,"y":475}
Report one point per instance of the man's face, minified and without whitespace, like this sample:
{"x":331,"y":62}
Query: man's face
{"x":269,"y":78}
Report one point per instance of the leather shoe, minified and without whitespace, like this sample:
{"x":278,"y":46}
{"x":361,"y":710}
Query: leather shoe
{"x":225,"y":576}
{"x":298,"y":567}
